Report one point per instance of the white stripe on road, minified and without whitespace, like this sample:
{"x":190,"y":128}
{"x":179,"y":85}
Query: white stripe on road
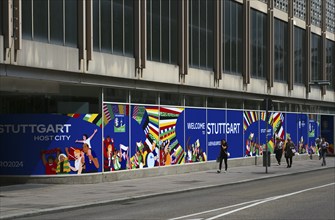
{"x":268,"y":200}
{"x":254,"y":203}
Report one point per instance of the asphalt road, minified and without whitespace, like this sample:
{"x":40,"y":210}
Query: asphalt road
{"x":308,"y":195}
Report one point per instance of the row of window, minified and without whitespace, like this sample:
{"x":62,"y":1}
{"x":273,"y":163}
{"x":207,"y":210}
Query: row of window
{"x":55,"y":21}
{"x":87,"y":99}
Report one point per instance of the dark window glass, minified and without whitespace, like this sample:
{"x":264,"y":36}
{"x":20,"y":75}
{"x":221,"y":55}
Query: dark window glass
{"x":201,"y":29}
{"x":193,"y":100}
{"x":280,"y":50}
{"x":316,"y":57}
{"x":26,"y":20}
{"x":41,"y":20}
{"x":174,"y":31}
{"x":116,"y":95}
{"x":226,"y":35}
{"x":145,"y":97}
{"x":149,"y":32}
{"x":129,"y":25}
{"x":56,"y":21}
{"x":194,"y":44}
{"x":203,"y":33}
{"x":118,"y":26}
{"x":155,"y":30}
{"x":258,"y":44}
{"x":299,"y":55}
{"x":96,"y":24}
{"x":330,"y":63}
{"x":210,"y":34}
{"x":171,"y":99}
{"x":165,"y":31}
{"x":162,"y":30}
{"x":71,"y":27}
{"x":1,"y":15}
{"x":232,"y":37}
{"x":106,"y":32}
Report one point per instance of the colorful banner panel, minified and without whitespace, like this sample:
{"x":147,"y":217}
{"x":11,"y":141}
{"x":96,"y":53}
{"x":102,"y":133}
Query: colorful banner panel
{"x":46,"y":144}
{"x":116,"y":137}
{"x":216,"y":131}
{"x":234,"y":132}
{"x":195,"y":135}
{"x":251,"y":128}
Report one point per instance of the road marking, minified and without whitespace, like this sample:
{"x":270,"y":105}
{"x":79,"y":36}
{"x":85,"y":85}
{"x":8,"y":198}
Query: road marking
{"x":254,"y":203}
{"x":215,"y":210}
{"x":268,"y":200}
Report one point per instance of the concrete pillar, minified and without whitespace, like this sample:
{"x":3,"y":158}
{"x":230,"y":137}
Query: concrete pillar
{"x":290,"y":38}
{"x":218,"y":46}
{"x":308,"y":47}
{"x":183,"y":19}
{"x":246,"y":42}
{"x":140,"y":35}
{"x":324,"y":46}
{"x":270,"y":45}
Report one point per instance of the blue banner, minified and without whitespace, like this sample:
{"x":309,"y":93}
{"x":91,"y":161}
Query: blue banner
{"x":234,"y":132}
{"x":195,"y":135}
{"x":216,"y":131}
{"x":37,"y":144}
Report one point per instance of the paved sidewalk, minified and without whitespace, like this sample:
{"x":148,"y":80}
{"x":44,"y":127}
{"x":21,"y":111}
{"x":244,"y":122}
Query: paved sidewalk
{"x":27,"y":199}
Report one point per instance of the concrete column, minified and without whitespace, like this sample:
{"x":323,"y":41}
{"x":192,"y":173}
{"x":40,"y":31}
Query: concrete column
{"x":82,"y":33}
{"x":89,"y":30}
{"x":308,"y":47}
{"x":270,"y":45}
{"x":183,"y":13}
{"x":218,"y":46}
{"x":7,"y":28}
{"x":140,"y":35}
{"x":246,"y":42}
{"x":324,"y":46}
{"x":290,"y":38}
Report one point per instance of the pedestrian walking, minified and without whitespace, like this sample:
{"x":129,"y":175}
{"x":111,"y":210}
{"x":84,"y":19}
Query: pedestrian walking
{"x":223,"y":155}
{"x":289,"y":152}
{"x":324,"y":149}
{"x":279,"y":149}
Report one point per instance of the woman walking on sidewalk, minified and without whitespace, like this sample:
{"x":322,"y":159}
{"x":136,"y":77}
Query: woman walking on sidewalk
{"x":289,"y":152}
{"x":223,"y":155}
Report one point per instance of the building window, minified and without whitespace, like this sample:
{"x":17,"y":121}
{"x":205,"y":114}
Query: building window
{"x":113,"y":24}
{"x":299,"y":55}
{"x":330,"y":16}
{"x":316,"y":53}
{"x":52,"y":21}
{"x":232,"y":37}
{"x":281,"y":5}
{"x":201,"y":29}
{"x":299,"y":9}
{"x":258,"y":44}
{"x":40,"y":17}
{"x":162,"y":30}
{"x":280,"y":51}
{"x":56,"y":22}
{"x":330,"y":64}
{"x":316,"y":8}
